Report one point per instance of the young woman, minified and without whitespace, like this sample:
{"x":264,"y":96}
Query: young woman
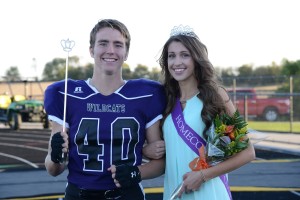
{"x":191,"y":84}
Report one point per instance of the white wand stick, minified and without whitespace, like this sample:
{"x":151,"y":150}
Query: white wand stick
{"x":67,"y":46}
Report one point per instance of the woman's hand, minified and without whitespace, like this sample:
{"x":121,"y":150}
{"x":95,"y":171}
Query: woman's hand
{"x":192,"y":181}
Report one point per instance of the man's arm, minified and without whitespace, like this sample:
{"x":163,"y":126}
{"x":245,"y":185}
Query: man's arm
{"x":122,"y":175}
{"x":155,"y":167}
{"x":56,"y":168}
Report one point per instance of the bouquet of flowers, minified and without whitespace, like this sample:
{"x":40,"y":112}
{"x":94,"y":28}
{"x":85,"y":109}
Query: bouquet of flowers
{"x":226,"y":137}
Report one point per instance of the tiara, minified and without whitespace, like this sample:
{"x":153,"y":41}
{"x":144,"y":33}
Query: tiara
{"x":183,"y":30}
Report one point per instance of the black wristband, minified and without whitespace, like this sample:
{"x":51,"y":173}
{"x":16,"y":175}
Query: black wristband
{"x":56,"y":145}
{"x":128,"y":175}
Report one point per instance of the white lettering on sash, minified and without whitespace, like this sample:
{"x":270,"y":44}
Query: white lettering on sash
{"x":187,"y":134}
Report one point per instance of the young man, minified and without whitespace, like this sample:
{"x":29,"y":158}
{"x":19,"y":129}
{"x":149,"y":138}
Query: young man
{"x":108,"y":120}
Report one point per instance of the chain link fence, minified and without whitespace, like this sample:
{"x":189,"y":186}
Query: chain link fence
{"x":258,"y":98}
{"x":266,"y":98}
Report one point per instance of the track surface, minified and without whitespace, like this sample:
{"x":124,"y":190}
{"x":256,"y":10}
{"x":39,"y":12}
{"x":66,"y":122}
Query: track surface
{"x":22,"y":172}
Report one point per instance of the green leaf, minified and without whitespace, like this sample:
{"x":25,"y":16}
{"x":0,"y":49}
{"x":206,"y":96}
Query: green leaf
{"x":238,"y":137}
{"x":218,"y":121}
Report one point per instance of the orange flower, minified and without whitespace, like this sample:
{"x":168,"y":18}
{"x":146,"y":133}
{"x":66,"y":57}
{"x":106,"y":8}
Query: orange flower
{"x":200,"y":162}
{"x":231,"y":136}
{"x":229,"y":129}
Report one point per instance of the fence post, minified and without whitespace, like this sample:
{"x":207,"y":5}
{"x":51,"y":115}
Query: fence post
{"x":246,"y":107}
{"x":291,"y":104}
{"x":234,"y":92}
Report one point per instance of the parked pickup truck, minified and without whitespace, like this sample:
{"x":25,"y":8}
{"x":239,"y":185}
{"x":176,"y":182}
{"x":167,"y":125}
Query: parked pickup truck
{"x":268,"y":108}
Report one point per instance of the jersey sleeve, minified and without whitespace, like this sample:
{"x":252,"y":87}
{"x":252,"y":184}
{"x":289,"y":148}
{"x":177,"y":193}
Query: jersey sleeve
{"x":156,"y":105}
{"x":54,"y":101}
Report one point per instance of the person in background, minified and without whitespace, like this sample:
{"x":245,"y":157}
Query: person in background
{"x":191,"y":83}
{"x":108,"y":120}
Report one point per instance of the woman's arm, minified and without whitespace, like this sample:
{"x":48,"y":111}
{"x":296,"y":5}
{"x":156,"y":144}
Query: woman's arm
{"x":236,"y":161}
{"x":155,"y":167}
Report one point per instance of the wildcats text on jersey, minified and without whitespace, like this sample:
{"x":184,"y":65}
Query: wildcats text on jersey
{"x":115,"y":108}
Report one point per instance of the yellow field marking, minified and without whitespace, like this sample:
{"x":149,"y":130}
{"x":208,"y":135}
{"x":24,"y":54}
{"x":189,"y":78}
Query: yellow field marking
{"x":235,"y":189}
{"x":158,"y":190}
{"x":276,"y":161}
{"x":261,"y":189}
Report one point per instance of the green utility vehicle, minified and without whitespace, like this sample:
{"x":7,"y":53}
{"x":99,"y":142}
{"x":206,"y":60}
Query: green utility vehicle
{"x":17,"y":109}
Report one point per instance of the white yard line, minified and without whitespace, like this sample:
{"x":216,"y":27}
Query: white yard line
{"x":20,"y":159}
{"x":24,"y":146}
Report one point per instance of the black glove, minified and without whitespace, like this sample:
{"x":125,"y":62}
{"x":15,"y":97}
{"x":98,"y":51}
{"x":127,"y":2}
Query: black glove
{"x":128,"y":175}
{"x":56,"y":145}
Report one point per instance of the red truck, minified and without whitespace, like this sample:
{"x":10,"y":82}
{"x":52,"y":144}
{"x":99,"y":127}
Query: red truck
{"x":268,"y":108}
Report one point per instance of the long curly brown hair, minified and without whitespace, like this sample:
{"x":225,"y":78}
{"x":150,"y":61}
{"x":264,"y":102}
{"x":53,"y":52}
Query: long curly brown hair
{"x":207,"y":80}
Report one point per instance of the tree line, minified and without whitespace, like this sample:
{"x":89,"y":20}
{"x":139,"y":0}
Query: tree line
{"x":264,"y":75}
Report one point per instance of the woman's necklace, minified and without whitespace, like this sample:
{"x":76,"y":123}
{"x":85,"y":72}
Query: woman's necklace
{"x":183,"y":101}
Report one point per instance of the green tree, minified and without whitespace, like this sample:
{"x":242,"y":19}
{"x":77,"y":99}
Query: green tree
{"x":227,"y":75}
{"x":292,"y":69}
{"x":155,"y":74}
{"x":245,"y":70}
{"x":244,"y":75}
{"x":77,"y":73}
{"x":13,"y":74}
{"x":268,"y":75}
{"x":289,"y":69}
{"x":55,"y":69}
{"x":88,"y":70}
{"x":227,"y":72}
{"x":141,"y":71}
{"x":267,"y":71}
{"x":126,"y":72}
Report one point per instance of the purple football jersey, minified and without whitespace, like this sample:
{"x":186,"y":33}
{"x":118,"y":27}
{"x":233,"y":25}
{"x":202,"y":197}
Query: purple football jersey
{"x":104,"y":130}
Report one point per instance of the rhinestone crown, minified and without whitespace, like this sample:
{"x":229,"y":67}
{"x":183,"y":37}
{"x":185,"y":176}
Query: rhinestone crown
{"x":183,"y":30}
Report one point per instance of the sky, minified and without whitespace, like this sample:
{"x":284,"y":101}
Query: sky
{"x":236,"y":32}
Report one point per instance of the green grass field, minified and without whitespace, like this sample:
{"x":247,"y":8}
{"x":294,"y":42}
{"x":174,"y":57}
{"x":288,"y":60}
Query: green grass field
{"x":275,"y":126}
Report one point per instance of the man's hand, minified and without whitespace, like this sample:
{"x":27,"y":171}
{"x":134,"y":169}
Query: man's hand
{"x":58,"y":146}
{"x":154,"y":150}
{"x":125,"y":175}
